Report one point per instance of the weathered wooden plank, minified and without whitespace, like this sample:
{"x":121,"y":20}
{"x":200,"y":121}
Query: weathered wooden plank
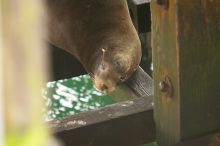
{"x":186,"y":42}
{"x":128,"y":123}
{"x":140,"y":83}
{"x":210,"y":140}
{"x":166,"y":111}
{"x":199,"y":54}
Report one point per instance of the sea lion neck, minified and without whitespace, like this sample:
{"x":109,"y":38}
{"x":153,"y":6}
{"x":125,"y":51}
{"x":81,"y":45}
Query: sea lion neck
{"x":90,"y":59}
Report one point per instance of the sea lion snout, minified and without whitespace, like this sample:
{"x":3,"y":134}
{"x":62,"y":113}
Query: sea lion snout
{"x":104,"y":78}
{"x":105,"y":86}
{"x":110,"y":72}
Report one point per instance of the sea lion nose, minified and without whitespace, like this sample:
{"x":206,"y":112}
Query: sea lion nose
{"x":104,"y":88}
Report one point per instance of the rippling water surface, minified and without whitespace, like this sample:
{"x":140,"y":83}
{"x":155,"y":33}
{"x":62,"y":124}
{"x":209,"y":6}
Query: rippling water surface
{"x":71,"y":96}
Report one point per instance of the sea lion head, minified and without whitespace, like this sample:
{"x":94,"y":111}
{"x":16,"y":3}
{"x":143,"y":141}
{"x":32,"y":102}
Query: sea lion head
{"x":100,"y":34}
{"x":114,"y":66}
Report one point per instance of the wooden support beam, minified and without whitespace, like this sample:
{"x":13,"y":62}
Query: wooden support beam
{"x":210,"y":140}
{"x":140,"y":83}
{"x":186,"y":56}
{"x":128,"y":123}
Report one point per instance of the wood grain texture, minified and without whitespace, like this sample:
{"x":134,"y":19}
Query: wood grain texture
{"x":128,"y":123}
{"x":209,"y":140}
{"x":165,"y":61}
{"x":140,"y":83}
{"x":199,"y":59}
{"x":186,"y":47}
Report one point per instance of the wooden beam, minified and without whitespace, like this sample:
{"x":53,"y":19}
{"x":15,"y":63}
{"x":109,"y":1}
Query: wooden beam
{"x":209,"y":140}
{"x":186,"y":55}
{"x":128,"y":123}
{"x":140,"y":83}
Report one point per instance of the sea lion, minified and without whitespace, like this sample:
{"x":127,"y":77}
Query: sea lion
{"x":100,"y":34}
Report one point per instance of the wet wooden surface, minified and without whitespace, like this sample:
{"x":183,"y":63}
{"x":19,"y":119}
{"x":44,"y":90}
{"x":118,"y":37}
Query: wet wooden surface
{"x":140,"y":83}
{"x":186,"y":42}
{"x":128,"y":123}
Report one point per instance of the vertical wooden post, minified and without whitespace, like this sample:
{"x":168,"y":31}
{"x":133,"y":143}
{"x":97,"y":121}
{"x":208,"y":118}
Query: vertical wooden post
{"x":186,"y":50}
{"x":24,"y":72}
{"x":1,"y":98}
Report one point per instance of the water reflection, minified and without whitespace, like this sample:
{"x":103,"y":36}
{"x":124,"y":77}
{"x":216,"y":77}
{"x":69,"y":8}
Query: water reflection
{"x":70,"y":96}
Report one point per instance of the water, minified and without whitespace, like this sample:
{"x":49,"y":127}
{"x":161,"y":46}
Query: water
{"x":70,"y":96}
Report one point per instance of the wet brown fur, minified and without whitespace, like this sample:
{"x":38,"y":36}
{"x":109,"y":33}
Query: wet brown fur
{"x":85,"y":27}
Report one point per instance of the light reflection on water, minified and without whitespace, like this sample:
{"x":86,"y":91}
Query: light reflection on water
{"x":71,"y":96}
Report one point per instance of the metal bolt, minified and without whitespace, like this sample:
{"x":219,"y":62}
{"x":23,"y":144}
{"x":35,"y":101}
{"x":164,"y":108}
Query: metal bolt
{"x":165,"y":86}
{"x":162,"y":86}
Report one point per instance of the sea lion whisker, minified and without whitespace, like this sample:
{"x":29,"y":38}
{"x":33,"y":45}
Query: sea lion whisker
{"x":91,"y":75}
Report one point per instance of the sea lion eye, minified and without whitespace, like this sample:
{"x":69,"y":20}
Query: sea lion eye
{"x":122,"y":78}
{"x":102,"y":66}
{"x":118,"y":66}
